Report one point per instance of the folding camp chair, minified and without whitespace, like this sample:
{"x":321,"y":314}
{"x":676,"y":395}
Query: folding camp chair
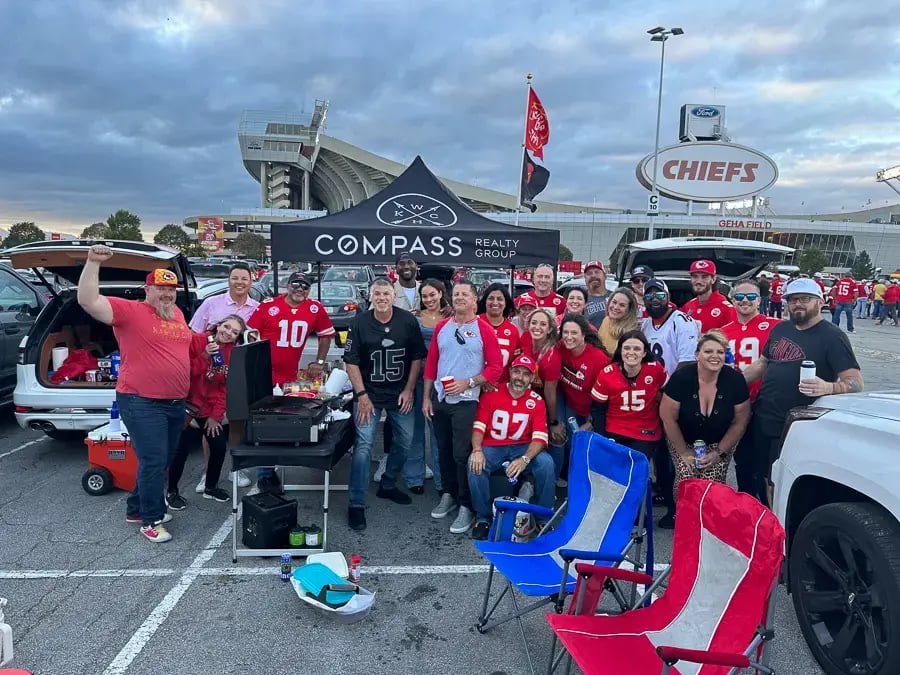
{"x":608,"y":492}
{"x":716,"y":613}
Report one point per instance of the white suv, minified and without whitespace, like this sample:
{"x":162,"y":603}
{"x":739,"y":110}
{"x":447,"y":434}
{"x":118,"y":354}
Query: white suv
{"x":837,"y":492}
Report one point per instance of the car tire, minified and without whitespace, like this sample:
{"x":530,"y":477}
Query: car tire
{"x":66,"y":434}
{"x":844,"y":572}
{"x":97,"y":481}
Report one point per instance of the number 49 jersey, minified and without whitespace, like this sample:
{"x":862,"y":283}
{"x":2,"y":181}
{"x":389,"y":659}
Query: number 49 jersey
{"x":747,"y":341}
{"x":504,"y":420}
{"x":287,"y":329}
{"x":632,"y":405}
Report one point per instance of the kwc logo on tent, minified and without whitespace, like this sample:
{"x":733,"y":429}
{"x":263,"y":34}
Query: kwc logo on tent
{"x":414,"y":210}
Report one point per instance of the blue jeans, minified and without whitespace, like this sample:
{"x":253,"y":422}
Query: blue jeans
{"x":861,"y":307}
{"x":414,"y":469}
{"x":541,"y":467}
{"x":877,"y":308}
{"x":155,"y":428}
{"x":843,"y":307}
{"x":402,"y":426}
{"x":563,"y":413}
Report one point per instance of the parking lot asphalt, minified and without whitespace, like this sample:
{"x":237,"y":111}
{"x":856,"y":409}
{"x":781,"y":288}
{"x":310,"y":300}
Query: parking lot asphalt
{"x":87,"y":594}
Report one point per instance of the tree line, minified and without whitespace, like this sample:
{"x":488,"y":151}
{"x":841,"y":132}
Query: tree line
{"x":126,"y":226}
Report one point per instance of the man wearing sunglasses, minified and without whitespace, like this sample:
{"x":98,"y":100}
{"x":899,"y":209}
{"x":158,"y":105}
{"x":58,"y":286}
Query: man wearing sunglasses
{"x":708,"y":307}
{"x":639,"y":276}
{"x":747,"y":335}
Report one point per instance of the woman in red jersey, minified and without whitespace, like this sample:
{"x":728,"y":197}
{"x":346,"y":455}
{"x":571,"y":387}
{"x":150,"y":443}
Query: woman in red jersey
{"x":495,"y":308}
{"x":539,"y":344}
{"x":582,"y":360}
{"x":626,"y":396}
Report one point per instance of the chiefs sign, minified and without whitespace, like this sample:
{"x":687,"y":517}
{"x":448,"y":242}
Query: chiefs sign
{"x":708,"y":171}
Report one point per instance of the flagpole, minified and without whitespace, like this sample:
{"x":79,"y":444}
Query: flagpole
{"x":524,"y":140}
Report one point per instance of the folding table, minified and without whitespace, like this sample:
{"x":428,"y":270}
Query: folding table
{"x":336,"y":442}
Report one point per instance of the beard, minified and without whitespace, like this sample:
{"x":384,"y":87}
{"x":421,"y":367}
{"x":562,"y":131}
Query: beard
{"x":166,"y":312}
{"x":657,"y":311}
{"x":517,"y":386}
{"x":801,"y":317}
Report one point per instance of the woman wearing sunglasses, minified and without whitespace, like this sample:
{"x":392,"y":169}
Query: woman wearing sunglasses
{"x":746,"y":336}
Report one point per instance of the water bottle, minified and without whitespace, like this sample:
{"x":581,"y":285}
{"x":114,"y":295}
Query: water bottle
{"x":699,"y":452}
{"x":277,"y":390}
{"x":115,"y":424}
{"x":729,"y":357}
{"x":573,"y":424}
{"x":217,"y":359}
{"x":285,"y":566}
{"x":512,"y":481}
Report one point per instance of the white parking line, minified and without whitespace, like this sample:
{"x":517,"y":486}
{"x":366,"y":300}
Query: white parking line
{"x":274,"y":568}
{"x":22,"y":447}
{"x":161,"y":612}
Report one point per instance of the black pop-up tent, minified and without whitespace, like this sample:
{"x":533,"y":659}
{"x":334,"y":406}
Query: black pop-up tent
{"x":419,"y":215}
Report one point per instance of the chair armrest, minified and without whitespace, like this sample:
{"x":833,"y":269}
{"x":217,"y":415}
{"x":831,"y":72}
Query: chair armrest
{"x":536,"y":509}
{"x":584,"y":569}
{"x":570,"y":554}
{"x":672,"y":655}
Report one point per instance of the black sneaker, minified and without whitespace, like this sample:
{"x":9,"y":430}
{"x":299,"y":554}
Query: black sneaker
{"x":216,"y":493}
{"x":417,"y":490}
{"x":480,"y":531}
{"x":356,"y":518}
{"x":175,"y":501}
{"x":270,"y":483}
{"x":394,"y":495}
{"x":667,"y":522}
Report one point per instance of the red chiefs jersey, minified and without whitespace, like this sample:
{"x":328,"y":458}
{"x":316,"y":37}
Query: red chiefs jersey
{"x":287,"y":328}
{"x":504,"y":420}
{"x":775,"y":289}
{"x":549,"y":365}
{"x":508,"y":339}
{"x":714,"y":313}
{"x":578,"y":376}
{"x":821,"y":286}
{"x":553,"y":301}
{"x":845,"y":290}
{"x":632,"y":405}
{"x":747,"y":341}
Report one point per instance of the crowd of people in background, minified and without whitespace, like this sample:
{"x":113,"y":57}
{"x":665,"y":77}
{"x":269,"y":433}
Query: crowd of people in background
{"x":490,"y":384}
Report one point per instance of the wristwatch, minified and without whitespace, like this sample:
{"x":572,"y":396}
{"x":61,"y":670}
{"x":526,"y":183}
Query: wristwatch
{"x":553,"y":423}
{"x":526,"y":460}
{"x":321,"y":362}
{"x":471,"y":383}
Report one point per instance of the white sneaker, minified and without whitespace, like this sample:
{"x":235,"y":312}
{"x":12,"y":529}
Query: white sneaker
{"x":201,"y":486}
{"x":429,"y":474}
{"x":526,"y":492}
{"x":243,"y":478}
{"x":444,"y":507}
{"x":463,"y":522}
{"x":379,"y":472}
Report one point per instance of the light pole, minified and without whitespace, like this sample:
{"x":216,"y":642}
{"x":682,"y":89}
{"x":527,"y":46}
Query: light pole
{"x":659,"y":34}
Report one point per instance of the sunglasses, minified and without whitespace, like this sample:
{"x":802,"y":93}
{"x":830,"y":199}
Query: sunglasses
{"x":459,"y":337}
{"x":746,"y":296}
{"x":299,"y":284}
{"x":639,"y":280}
{"x":658,"y":295}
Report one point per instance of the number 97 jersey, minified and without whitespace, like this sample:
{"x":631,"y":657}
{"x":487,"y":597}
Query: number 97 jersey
{"x":747,"y":341}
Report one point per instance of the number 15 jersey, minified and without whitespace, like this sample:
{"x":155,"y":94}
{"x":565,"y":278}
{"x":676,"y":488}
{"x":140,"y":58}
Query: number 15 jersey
{"x":287,"y":328}
{"x":632,"y":405}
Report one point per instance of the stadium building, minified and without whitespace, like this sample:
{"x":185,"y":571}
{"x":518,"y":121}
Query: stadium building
{"x":304,"y":173}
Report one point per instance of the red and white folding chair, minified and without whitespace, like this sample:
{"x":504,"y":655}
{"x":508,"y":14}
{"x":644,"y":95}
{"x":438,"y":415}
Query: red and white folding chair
{"x":715,"y":616}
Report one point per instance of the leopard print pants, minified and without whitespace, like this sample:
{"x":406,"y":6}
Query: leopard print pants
{"x":717,"y":472}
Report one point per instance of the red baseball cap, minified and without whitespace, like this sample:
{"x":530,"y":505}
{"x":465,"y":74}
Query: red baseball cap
{"x":703,"y":266}
{"x":524,"y":362}
{"x":161,"y":277}
{"x":595,"y":263}
{"x":525,"y":299}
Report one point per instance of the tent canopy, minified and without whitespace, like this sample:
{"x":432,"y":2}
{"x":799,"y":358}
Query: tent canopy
{"x":419,"y":215}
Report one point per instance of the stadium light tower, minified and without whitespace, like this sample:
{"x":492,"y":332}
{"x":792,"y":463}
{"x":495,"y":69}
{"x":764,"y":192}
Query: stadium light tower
{"x":659,"y":34}
{"x":887,"y":175}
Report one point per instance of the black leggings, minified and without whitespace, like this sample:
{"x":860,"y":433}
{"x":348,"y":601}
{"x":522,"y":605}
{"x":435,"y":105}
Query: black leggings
{"x":190,"y":438}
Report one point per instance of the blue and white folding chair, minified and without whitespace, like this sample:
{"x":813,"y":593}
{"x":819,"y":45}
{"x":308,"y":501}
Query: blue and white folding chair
{"x":608,"y":493}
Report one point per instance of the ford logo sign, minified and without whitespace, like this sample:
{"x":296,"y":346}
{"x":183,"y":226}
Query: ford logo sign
{"x":705,"y":112}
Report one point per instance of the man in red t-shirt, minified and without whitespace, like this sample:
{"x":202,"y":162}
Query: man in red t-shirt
{"x":817,"y":277}
{"x":891,"y":300}
{"x":709,"y":308}
{"x":510,"y":427}
{"x":844,"y":300}
{"x":543,"y":292}
{"x":747,"y":336}
{"x":286,"y":322}
{"x":154,"y":379}
{"x":775,"y":295}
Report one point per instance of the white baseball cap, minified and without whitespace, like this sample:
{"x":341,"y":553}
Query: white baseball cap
{"x":803,"y":286}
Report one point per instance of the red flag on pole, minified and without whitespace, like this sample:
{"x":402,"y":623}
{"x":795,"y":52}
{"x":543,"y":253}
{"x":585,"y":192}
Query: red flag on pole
{"x":537,"y":127}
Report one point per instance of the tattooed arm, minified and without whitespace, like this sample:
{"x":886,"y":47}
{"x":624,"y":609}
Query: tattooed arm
{"x":849,"y":381}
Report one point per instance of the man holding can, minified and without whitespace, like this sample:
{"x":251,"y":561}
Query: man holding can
{"x":153,"y":381}
{"x":806,"y":337}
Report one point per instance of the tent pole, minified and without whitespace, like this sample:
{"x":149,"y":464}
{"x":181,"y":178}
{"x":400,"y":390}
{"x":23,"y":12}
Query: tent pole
{"x":524,"y":140}
{"x":319,"y":280}
{"x":512,"y":281}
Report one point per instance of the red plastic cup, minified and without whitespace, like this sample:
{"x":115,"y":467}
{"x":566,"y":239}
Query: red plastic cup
{"x":447,"y":380}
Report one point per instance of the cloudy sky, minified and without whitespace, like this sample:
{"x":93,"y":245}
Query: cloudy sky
{"x":108,"y":104}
